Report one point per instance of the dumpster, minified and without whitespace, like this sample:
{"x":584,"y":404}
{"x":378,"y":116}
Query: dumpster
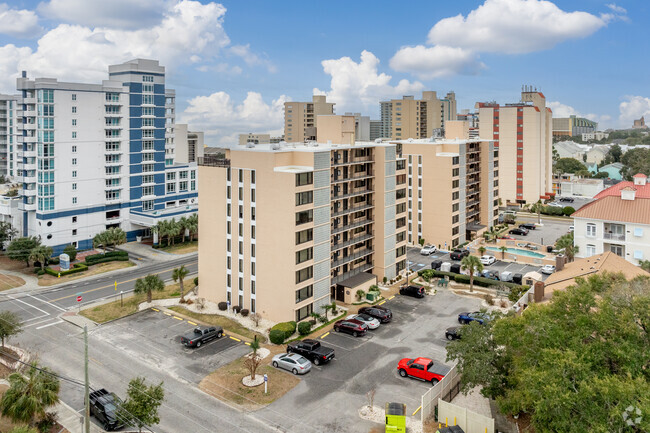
{"x":445,"y":267}
{"x":517,"y":278}
{"x":372,"y":296}
{"x":436,"y":264}
{"x":455,"y":268}
{"x":395,"y":417}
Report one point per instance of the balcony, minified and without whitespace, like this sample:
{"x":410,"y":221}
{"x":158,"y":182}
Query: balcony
{"x":361,"y":176}
{"x":473,"y":170}
{"x":213,"y":161}
{"x":347,"y":227}
{"x":472,"y":213}
{"x":359,"y":160}
{"x":353,"y":241}
{"x":352,"y":210}
{"x":347,"y":259}
{"x":472,"y":181}
{"x":353,"y":272}
{"x":614,"y":236}
{"x":360,"y":191}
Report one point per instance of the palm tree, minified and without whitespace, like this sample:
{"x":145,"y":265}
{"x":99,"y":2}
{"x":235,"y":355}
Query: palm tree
{"x":182,"y":223}
{"x":193,"y":225}
{"x":174,"y":230}
{"x":148,"y":284}
{"x":118,"y":236}
{"x":30,"y":395}
{"x":481,"y":250}
{"x":566,"y":243}
{"x":538,"y":207}
{"x":179,"y":274}
{"x":473,"y":265}
{"x":504,"y":250}
{"x":100,"y":241}
{"x":40,"y":254}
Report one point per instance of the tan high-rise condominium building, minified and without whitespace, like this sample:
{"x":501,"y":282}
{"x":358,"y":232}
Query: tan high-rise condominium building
{"x":523,"y":134}
{"x":245,"y":139}
{"x":300,"y":118}
{"x":416,"y":118}
{"x":189,"y":145}
{"x":289,"y":227}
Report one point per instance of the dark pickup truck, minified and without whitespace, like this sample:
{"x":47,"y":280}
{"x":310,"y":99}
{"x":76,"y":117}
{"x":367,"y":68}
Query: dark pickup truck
{"x":201,"y":335}
{"x":312,"y":350}
{"x":104,"y":406}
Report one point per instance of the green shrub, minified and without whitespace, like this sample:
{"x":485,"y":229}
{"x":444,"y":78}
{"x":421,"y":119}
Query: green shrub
{"x":78,"y":267}
{"x":223,"y":306}
{"x":304,"y":328}
{"x":568,"y":210}
{"x":244,"y":312}
{"x":71,"y":251}
{"x":287,"y":328}
{"x":107,"y":259}
{"x":276,"y":336}
{"x":236,"y":309}
{"x":53,"y":261}
{"x":196,"y":281}
{"x":96,"y":257}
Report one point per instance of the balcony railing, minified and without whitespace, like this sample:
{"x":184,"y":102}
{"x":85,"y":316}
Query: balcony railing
{"x":614,"y":236}
{"x":213,"y":161}
{"x":364,"y":175}
{"x":352,"y":161}
{"x":351,"y":257}
{"x":353,"y":272}
{"x":353,"y":241}
{"x":472,"y":213}
{"x":346,"y":227}
{"x":352,"y":210}
{"x":352,"y":194}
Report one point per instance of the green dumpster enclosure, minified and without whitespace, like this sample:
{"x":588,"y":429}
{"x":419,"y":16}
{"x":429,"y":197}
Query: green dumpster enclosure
{"x":396,"y":417}
{"x":372,"y":296}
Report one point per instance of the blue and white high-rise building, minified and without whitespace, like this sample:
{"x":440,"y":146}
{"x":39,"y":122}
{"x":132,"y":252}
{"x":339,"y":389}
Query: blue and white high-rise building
{"x":95,"y":156}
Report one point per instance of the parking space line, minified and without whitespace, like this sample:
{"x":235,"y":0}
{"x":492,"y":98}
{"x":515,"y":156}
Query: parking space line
{"x":329,"y":343}
{"x":247,"y":343}
{"x":233,"y":338}
{"x":166,"y":314}
{"x":324,"y":335}
{"x":417,"y":410}
{"x":191,"y":323}
{"x":391,"y":297}
{"x":177,"y":318}
{"x":382,"y":302}
{"x":155,"y":309}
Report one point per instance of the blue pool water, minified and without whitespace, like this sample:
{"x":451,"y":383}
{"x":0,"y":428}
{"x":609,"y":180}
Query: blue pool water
{"x":519,"y":252}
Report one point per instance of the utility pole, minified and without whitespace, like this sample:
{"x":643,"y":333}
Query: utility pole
{"x":86,"y":393}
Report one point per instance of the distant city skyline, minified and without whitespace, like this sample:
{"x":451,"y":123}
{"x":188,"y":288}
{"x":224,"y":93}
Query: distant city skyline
{"x":234,"y":64}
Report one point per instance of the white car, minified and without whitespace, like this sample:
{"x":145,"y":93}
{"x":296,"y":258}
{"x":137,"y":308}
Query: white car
{"x":427,"y":250}
{"x":571,"y":228}
{"x":365,"y":318}
{"x":488,"y":260}
{"x":554,"y":204}
{"x":547,"y":269}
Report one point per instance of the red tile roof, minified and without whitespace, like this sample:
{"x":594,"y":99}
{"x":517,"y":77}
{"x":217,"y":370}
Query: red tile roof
{"x":613,"y":208}
{"x":642,"y":191}
{"x":639,"y":175}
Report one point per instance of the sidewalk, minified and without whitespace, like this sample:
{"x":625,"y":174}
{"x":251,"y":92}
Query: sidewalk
{"x":73,"y":420}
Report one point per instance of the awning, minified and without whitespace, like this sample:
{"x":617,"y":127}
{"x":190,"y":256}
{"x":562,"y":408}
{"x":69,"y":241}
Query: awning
{"x":474,"y":227}
{"x":357,"y":280}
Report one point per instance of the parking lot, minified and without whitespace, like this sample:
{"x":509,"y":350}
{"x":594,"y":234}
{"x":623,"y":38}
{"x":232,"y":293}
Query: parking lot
{"x":156,"y":336}
{"x":548,"y":233}
{"x":370,"y":362}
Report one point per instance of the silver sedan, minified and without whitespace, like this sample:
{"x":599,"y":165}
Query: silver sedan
{"x":364,"y":318}
{"x":297,"y":364}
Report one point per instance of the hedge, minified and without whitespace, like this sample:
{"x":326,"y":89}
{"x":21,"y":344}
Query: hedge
{"x":288,"y":328}
{"x":304,"y":328}
{"x":479,"y":281}
{"x":77,"y":267}
{"x":106,"y":257}
{"x":276,"y":336}
{"x":196,"y":281}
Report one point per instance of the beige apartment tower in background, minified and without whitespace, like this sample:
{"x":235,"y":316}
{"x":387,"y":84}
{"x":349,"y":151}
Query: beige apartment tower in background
{"x":522,"y":132}
{"x":245,"y":139}
{"x":416,"y":118}
{"x":300,"y":118}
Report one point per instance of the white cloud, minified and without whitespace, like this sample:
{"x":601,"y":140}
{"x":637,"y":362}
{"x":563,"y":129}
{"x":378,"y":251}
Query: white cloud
{"x":514,"y":27}
{"x":222,"y":119}
{"x":124,"y":14}
{"x":562,"y":110}
{"x":616,"y":8}
{"x":357,"y":86}
{"x":433,"y":62}
{"x":18,"y":23}
{"x":633,"y":108}
{"x":72,"y":52}
{"x":251,"y":59}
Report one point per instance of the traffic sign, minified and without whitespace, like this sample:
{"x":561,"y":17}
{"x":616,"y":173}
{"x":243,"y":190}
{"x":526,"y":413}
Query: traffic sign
{"x":78,"y":298}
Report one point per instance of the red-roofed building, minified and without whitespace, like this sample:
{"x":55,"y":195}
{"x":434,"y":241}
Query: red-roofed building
{"x":617,"y":221}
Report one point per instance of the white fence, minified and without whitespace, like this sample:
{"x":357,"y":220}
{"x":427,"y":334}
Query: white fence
{"x":446,"y":390}
{"x":470,"y":422}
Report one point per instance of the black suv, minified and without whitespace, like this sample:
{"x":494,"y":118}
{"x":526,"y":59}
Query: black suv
{"x":458,"y":254}
{"x":383,"y":314}
{"x":415,"y":291}
{"x":566,"y":199}
{"x":527,"y":226}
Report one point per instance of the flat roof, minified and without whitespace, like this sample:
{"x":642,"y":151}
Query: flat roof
{"x":358,"y":279}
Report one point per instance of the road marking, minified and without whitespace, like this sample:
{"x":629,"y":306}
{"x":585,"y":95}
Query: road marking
{"x":47,"y":302}
{"x":233,"y":338}
{"x":95,"y":361}
{"x":29,"y":305}
{"x":324,"y":335}
{"x":191,"y":323}
{"x":38,"y":323}
{"x":155,"y":309}
{"x":50,"y":324}
{"x":417,"y":410}
{"x":177,"y":318}
{"x":166,"y":314}
{"x":36,"y":318}
{"x":391,"y":297}
{"x":247,"y":343}
{"x":382,"y":302}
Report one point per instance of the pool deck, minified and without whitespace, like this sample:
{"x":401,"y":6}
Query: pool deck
{"x":545,"y":259}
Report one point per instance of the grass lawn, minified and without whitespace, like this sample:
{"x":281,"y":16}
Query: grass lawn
{"x":182,"y":248}
{"x":49,"y":280}
{"x":9,"y":282}
{"x":225,"y":383}
{"x":113,"y":310}
{"x":12,"y":265}
{"x":214,"y":319}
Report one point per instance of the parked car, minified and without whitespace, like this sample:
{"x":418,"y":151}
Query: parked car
{"x":297,"y":364}
{"x":571,"y":228}
{"x":452,"y":333}
{"x":490,"y":274}
{"x":378,"y":312}
{"x":476,"y":316}
{"x":414,"y":291}
{"x":555,"y":204}
{"x":528,"y":226}
{"x":436,"y":264}
{"x":422,"y":369}
{"x":312,"y":350}
{"x":547,"y":269}
{"x":567,"y":199}
{"x":367,"y":319}
{"x":518,"y":231}
{"x":507,"y":237}
{"x":427,"y":250}
{"x":353,"y":327}
{"x":104,"y":406}
{"x":458,"y":254}
{"x":488,"y":260}
{"x":201,"y":335}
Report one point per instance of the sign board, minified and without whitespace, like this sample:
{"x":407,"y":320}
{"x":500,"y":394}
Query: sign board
{"x":64,"y":262}
{"x":78,"y":298}
{"x":266,"y":378}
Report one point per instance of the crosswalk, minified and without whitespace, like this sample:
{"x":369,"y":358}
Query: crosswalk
{"x":37,"y":313}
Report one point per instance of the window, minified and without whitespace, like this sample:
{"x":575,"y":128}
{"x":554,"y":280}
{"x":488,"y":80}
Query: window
{"x":638,"y":254}
{"x":74,"y":110}
{"x":147,"y":78}
{"x":74,"y":149}
{"x":638,"y":232}
{"x":454,"y":231}
{"x":253,"y":177}
{"x":252,"y":232}
{"x":304,"y":255}
{"x":74,"y":96}
{"x":304,"y":274}
{"x":74,"y":219}
{"x":303,"y":217}
{"x":147,"y":205}
{"x":182,"y":186}
{"x":304,"y":179}
{"x":147,"y":190}
{"x":591,"y":250}
{"x":146,"y":133}
{"x":113,"y":194}
{"x":591,"y":230}
{"x":304,"y":236}
{"x":146,"y":145}
{"x":304,"y":312}
{"x":74,"y":232}
{"x":171,"y":175}
{"x":147,"y":99}
{"x":171,"y":187}
{"x":74,"y":173}
{"x":304,"y":198}
{"x":147,"y":178}
{"x":145,"y":122}
{"x":74,"y":122}
{"x":304,"y":293}
{"x":146,"y":168}
{"x":74,"y":200}
{"x":74,"y":186}
{"x":252,"y":250}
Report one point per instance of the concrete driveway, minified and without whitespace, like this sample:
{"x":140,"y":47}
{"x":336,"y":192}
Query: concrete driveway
{"x":328,"y":398}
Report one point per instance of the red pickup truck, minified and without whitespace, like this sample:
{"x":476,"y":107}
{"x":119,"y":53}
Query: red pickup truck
{"x":423,"y":369}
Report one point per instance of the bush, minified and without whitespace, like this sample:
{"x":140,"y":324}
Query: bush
{"x":287,"y":328}
{"x":40,"y":272}
{"x":384,"y":280}
{"x":276,"y":336}
{"x":196,"y":281}
{"x":312,"y":322}
{"x":304,"y":328}
{"x":478,"y":281}
{"x":489,"y":299}
{"x":53,"y":261}
{"x":71,"y":251}
{"x":107,"y":257}
{"x":77,"y":267}
{"x":568,"y":210}
{"x":223,"y":306}
{"x":244,"y":312}
{"x":236,"y":309}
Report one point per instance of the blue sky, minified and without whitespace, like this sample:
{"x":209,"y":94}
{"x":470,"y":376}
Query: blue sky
{"x":234,"y":63}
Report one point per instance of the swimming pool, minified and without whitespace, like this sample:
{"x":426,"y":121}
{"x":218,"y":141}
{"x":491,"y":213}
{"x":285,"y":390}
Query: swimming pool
{"x":519,"y":252}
